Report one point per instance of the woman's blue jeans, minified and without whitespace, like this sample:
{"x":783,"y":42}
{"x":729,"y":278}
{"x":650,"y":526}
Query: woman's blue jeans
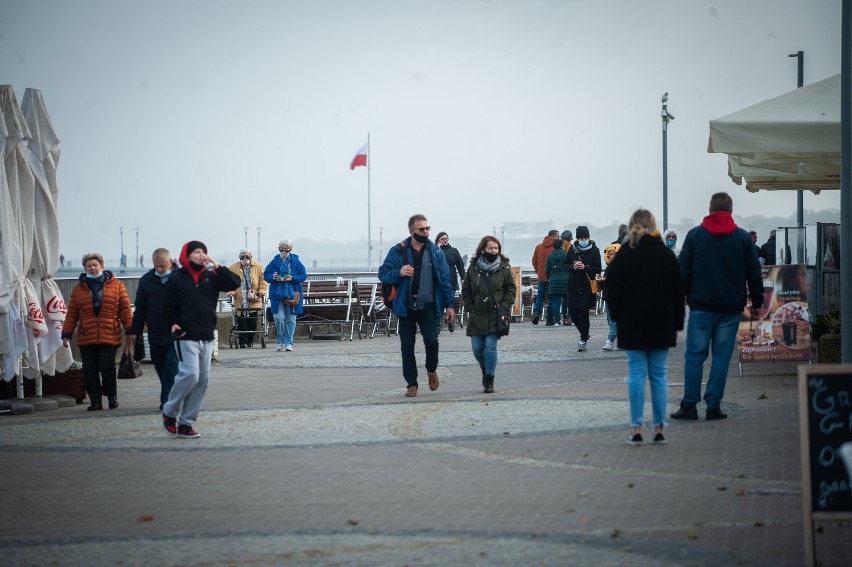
{"x":613,"y":326}
{"x":285,"y":324}
{"x":649,"y":363}
{"x":485,"y":351}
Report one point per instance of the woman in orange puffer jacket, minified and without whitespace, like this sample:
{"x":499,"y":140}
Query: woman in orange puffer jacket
{"x":98,"y":308}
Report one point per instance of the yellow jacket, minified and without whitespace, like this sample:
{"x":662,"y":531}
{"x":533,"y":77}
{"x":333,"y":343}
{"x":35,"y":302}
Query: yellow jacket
{"x":258,"y":284}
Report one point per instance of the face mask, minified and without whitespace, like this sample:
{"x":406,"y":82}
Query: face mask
{"x":245,"y":262}
{"x":90,"y":276}
{"x":584,"y":243}
{"x":670,"y":243}
{"x":165,"y":274}
{"x":420,"y":238}
{"x":489,"y":257}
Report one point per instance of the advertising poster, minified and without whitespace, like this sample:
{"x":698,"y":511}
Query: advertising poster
{"x":780,"y":330}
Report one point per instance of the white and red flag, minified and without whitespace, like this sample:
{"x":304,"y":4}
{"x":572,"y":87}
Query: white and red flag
{"x":360,"y":157}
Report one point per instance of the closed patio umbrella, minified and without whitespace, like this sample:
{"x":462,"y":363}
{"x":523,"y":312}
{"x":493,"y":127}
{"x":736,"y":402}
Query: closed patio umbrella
{"x":43,"y":158}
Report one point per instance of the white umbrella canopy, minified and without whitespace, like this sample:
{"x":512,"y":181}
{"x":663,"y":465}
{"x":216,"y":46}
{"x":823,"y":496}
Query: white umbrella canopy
{"x":21,"y":190}
{"x":13,"y":339}
{"x":791,"y":141}
{"x":43,"y":158}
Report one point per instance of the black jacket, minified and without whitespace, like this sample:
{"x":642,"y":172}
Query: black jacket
{"x":455,"y":263}
{"x":645,"y":295}
{"x":767,"y":251}
{"x":149,"y":308}
{"x":192,"y":306}
{"x":578,"y":280}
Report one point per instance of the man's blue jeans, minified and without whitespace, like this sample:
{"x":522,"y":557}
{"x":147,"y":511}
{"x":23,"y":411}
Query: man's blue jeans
{"x":285,"y":324}
{"x":650,"y":364}
{"x":708,"y":331}
{"x":539,"y":301}
{"x":428,"y":322}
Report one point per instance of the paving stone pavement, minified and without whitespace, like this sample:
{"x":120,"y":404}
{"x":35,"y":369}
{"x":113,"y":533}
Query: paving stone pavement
{"x":314,"y":457}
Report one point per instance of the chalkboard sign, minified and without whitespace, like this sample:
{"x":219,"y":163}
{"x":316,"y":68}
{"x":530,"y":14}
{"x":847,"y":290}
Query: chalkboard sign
{"x":825,"y":417}
{"x":827,"y":422}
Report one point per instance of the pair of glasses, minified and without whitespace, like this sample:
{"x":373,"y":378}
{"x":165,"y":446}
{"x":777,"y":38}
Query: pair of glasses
{"x":423,"y":229}
{"x":245,"y":257}
{"x":284,"y":249}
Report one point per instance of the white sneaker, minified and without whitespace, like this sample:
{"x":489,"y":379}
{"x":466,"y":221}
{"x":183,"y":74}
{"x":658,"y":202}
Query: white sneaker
{"x":607,"y":345}
{"x":280,"y":348}
{"x":581,"y":346}
{"x":288,"y":348}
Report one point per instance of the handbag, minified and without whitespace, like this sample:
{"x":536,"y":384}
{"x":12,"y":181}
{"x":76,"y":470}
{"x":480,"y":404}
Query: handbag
{"x":129,"y":368}
{"x":297,"y":295}
{"x":504,"y":314}
{"x":595,"y":285}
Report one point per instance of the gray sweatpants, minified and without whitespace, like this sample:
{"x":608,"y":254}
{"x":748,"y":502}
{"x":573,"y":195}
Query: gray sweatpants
{"x":191,"y":380}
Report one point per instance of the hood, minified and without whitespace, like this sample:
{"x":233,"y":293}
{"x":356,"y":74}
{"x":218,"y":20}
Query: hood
{"x":719,"y":223}
{"x":186,"y":264}
{"x":547,"y":240}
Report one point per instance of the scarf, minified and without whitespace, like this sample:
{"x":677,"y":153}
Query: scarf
{"x":489,"y":267}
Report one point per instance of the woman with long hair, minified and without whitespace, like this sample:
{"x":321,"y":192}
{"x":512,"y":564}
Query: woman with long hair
{"x":488,"y":284}
{"x":645,"y":297}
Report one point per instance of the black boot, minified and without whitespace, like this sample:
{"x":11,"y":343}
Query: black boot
{"x":113,"y":401}
{"x":484,"y":382}
{"x":489,"y":384}
{"x":95,"y":407}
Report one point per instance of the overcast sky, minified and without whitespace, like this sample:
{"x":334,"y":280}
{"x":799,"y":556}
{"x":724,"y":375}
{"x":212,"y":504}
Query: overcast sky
{"x":191,"y":119}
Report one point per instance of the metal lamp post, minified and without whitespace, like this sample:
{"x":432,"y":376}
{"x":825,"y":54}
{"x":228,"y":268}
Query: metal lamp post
{"x":664,"y":114}
{"x":137,"y":248}
{"x":121,"y":258}
{"x":258,"y":243}
{"x":800,"y":195}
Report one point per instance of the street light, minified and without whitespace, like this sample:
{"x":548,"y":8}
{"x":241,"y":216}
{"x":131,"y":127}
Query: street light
{"x":258,"y":243}
{"x":245,"y":229}
{"x":137,"y":247}
{"x":800,"y":195}
{"x":664,"y":114}
{"x":121,"y":258}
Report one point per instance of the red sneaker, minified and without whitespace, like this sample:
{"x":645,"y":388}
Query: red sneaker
{"x":170,"y":425}
{"x":187,"y":432}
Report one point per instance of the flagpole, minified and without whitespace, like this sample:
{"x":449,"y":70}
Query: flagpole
{"x":369,"y":228}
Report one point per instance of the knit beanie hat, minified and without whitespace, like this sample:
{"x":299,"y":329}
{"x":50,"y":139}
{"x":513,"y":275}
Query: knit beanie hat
{"x":195,"y":245}
{"x":566,"y":235}
{"x":582,"y":232}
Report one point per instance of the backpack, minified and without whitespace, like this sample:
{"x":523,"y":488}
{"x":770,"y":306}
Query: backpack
{"x":389,"y":291}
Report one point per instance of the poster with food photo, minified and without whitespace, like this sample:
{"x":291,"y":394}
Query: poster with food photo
{"x":780,"y":329}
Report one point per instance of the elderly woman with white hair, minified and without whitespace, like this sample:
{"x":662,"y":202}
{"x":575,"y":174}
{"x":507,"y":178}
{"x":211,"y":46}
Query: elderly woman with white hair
{"x":248,"y":298}
{"x":285,"y":274}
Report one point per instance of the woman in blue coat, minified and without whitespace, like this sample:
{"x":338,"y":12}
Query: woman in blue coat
{"x":285,"y":274}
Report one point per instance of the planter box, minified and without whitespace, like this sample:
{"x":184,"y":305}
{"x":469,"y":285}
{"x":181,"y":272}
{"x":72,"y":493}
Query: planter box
{"x":66,"y":383}
{"x":828,"y":349}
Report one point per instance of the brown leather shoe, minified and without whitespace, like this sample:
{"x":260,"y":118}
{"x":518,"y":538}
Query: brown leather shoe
{"x":433,"y":380}
{"x":411,"y":392}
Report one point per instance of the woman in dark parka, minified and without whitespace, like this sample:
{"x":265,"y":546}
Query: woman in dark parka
{"x":645,"y":296}
{"x":487,"y":266}
{"x":584,"y":263}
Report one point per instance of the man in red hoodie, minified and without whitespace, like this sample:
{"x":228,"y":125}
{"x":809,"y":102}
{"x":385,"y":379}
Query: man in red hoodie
{"x":717,"y":261}
{"x":539,"y":259}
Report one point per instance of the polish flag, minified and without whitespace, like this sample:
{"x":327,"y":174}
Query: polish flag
{"x":360,"y":158}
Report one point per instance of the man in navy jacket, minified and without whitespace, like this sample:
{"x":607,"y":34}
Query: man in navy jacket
{"x":717,"y":261}
{"x":418,"y":268}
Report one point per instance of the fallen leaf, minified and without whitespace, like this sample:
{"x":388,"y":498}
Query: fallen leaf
{"x":582,"y":494}
{"x":721,"y":488}
{"x":740,"y":475}
{"x":740,"y":492}
{"x":571,"y":510}
{"x":692,"y":535}
{"x":353,"y":522}
{"x":763,"y":396}
{"x":505,"y":433}
{"x":759,"y":524}
{"x":615,"y":532}
{"x":630,"y":485}
{"x":145,"y":518}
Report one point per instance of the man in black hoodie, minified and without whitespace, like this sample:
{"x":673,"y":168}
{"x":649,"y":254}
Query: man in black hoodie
{"x":717,"y":262}
{"x":189,"y":310}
